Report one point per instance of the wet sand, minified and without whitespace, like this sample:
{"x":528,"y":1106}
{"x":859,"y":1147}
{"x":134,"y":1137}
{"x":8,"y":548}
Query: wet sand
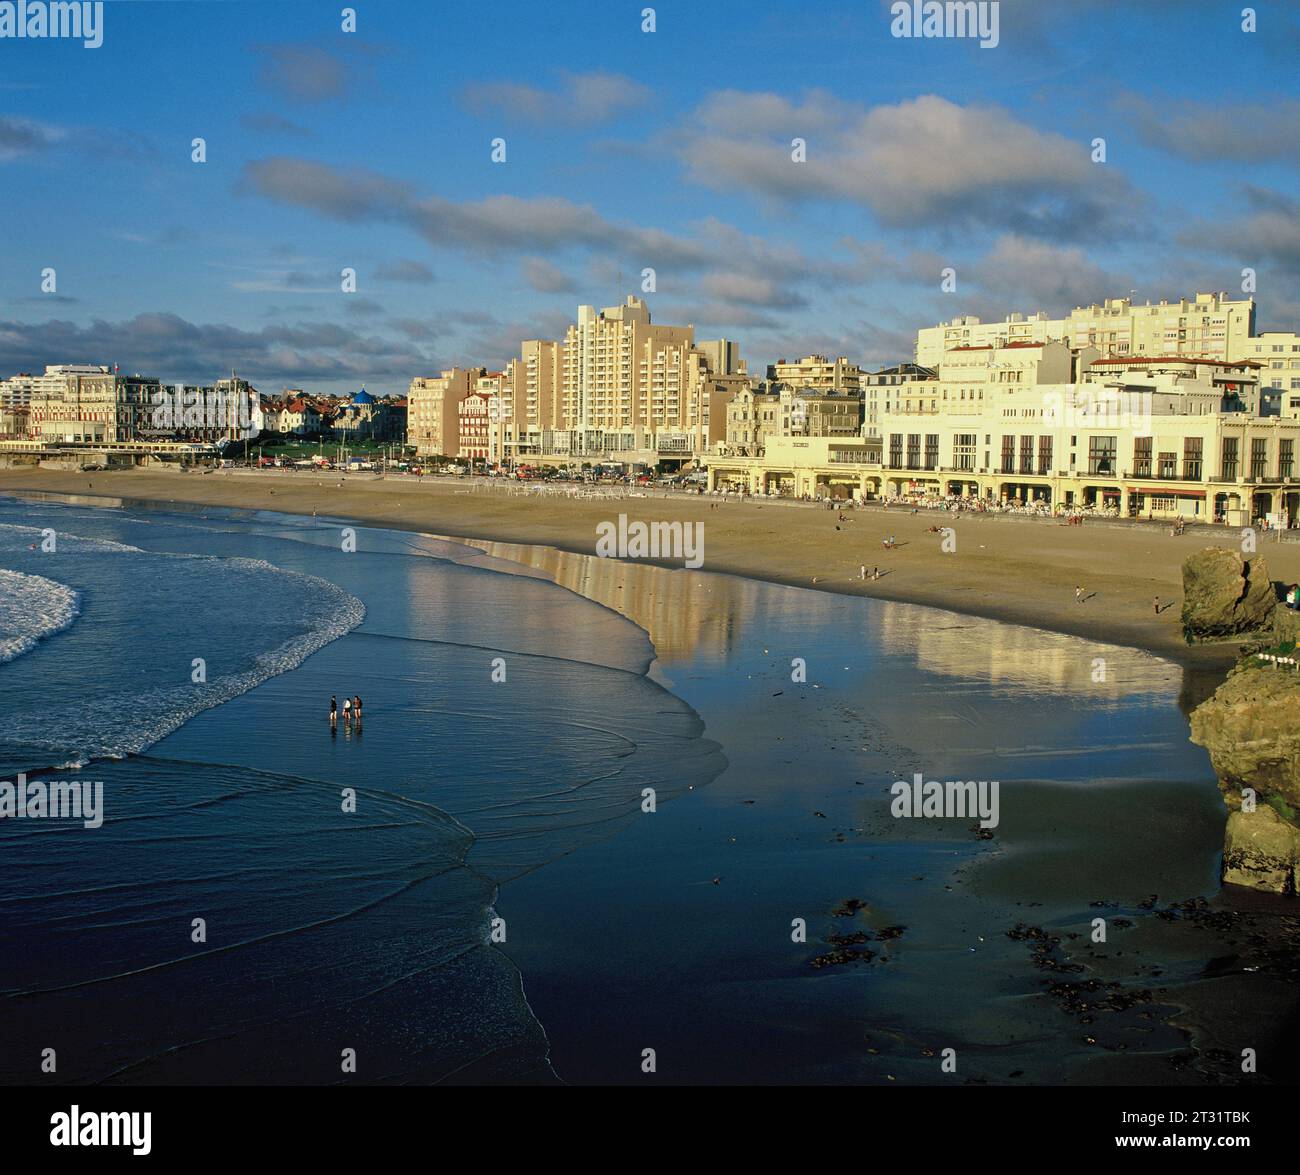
{"x":1006,"y":567}
{"x":1109,"y":811}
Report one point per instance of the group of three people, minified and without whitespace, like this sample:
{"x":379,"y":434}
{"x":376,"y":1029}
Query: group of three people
{"x":351,"y":709}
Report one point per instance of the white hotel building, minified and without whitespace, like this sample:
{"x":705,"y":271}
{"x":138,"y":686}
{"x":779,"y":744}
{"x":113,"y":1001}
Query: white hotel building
{"x":1042,"y":422}
{"x":1210,"y":326}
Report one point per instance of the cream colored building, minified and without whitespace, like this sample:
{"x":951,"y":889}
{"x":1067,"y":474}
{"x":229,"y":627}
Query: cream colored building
{"x":1278,"y":356}
{"x":752,"y":416}
{"x":1210,"y":326}
{"x":816,"y":371}
{"x":881,"y":388}
{"x":18,"y":391}
{"x":1137,"y":437}
{"x":622,"y":386}
{"x":608,"y":362}
{"x":78,"y":404}
{"x":433,"y":410}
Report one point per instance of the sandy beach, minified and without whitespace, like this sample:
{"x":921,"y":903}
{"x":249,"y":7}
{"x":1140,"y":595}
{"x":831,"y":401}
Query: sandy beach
{"x":1006,"y":567}
{"x":521,"y":798}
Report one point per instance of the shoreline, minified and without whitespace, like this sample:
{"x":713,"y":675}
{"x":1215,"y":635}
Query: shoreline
{"x":1008,"y":568}
{"x":1203,"y":1008}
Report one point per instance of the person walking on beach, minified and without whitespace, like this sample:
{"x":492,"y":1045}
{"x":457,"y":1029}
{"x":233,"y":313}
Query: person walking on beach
{"x":1078,"y":595}
{"x":862,"y":572}
{"x":1157,"y":605}
{"x":334,"y":711}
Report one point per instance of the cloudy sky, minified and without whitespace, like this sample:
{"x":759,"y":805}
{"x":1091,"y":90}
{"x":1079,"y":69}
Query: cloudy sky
{"x":372,"y":151}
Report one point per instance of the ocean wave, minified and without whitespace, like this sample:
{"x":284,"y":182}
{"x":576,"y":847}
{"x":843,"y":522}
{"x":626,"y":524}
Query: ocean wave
{"x":14,"y":536}
{"x":117,"y":724}
{"x":32,"y":608}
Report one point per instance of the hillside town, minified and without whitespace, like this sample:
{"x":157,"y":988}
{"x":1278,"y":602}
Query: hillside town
{"x":1173,"y":409}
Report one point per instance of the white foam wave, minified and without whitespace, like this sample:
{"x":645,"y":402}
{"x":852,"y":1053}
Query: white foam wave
{"x":94,"y":728}
{"x":32,"y":608}
{"x":14,"y":536}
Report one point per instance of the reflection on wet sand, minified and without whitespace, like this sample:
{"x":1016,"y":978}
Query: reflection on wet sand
{"x":691,"y":614}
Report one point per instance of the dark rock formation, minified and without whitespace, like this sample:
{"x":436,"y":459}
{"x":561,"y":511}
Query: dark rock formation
{"x":1225,"y":597}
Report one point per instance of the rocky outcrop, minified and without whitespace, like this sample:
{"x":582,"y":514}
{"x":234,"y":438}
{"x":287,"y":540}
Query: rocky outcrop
{"x":1251,"y":727}
{"x":1226,"y":597}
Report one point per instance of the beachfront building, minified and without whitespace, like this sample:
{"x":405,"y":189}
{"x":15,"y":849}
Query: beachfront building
{"x":433,"y":412}
{"x":1134,"y":436}
{"x":91,"y":405}
{"x":606,"y":364}
{"x":619,"y":386}
{"x":19,"y":390}
{"x":1210,"y":326}
{"x":533,"y":399}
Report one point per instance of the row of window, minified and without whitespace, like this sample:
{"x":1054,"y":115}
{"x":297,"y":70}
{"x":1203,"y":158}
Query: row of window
{"x":1027,"y":454}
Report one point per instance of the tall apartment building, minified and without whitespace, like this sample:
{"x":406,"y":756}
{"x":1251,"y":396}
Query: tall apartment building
{"x":433,"y":410}
{"x":1210,"y":326}
{"x":618,"y":383}
{"x":605,"y":374}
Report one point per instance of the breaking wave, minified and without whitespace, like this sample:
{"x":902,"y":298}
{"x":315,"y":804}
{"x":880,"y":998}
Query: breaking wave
{"x":32,"y":608}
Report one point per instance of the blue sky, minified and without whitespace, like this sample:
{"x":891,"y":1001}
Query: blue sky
{"x":625,"y":149}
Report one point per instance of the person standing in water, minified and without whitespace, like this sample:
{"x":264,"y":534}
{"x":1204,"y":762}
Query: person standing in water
{"x":356,"y":706}
{"x":347,"y":711}
{"x":334,"y":711}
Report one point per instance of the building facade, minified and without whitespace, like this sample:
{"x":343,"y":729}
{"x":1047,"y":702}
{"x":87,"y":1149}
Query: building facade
{"x":1134,"y":437}
{"x":433,"y":410}
{"x":1210,"y":326}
